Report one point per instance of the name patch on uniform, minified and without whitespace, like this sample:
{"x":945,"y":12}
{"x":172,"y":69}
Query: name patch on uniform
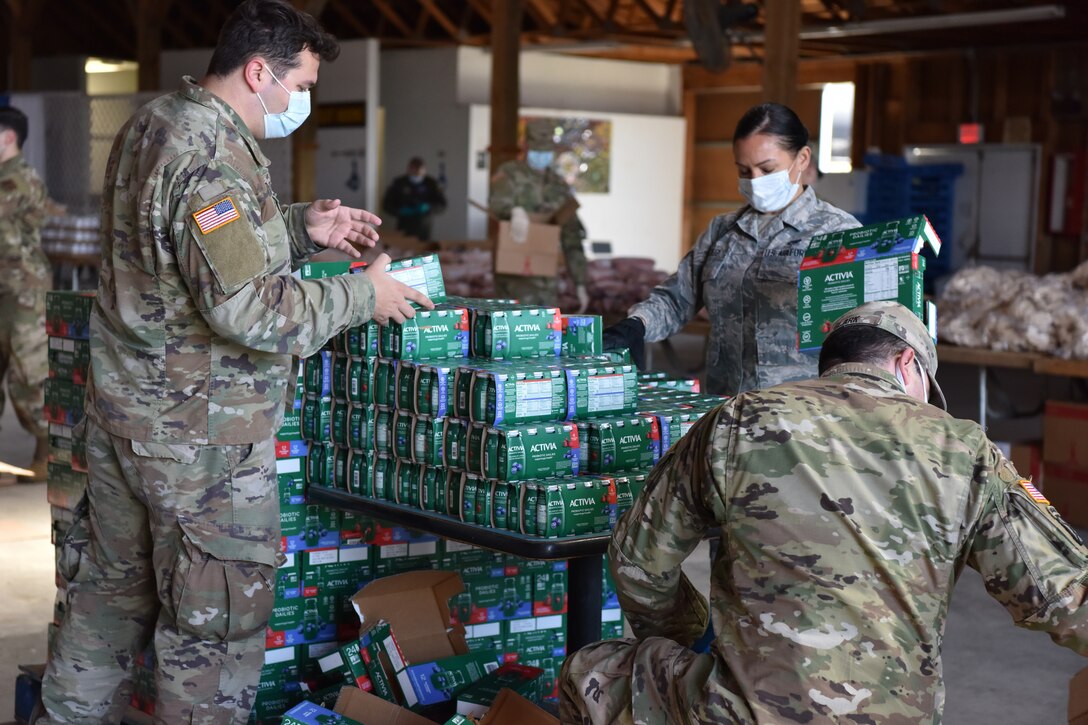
{"x":217,"y":215}
{"x":1035,"y":494}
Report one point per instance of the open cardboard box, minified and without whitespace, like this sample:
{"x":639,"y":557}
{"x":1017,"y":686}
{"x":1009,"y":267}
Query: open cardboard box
{"x":373,"y":710}
{"x":510,"y":707}
{"x":1078,"y":698}
{"x":416,"y":605}
{"x":537,"y":256}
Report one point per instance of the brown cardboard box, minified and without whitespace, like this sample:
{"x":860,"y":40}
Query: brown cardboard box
{"x":1065,"y":433}
{"x":373,"y":710}
{"x":537,"y":256}
{"x":1078,"y":698}
{"x":1067,"y":488}
{"x":510,"y":707}
{"x":416,"y":605}
{"x":1028,"y":459}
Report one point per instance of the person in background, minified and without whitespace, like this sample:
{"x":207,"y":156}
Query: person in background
{"x":530,"y":183}
{"x":847,"y":506}
{"x":195,"y":332}
{"x":414,"y":199}
{"x":743,"y":269}
{"x":24,"y":359}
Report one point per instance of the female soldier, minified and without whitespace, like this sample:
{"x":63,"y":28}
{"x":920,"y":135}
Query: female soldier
{"x":743,"y":268}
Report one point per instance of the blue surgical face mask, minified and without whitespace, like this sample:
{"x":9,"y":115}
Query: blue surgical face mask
{"x":281,"y":125}
{"x":415,"y":178}
{"x":540,"y":160}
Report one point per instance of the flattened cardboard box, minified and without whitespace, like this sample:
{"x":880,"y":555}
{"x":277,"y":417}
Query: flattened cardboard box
{"x":373,"y":710}
{"x":510,"y":707}
{"x":1078,"y":698}
{"x":537,"y":256}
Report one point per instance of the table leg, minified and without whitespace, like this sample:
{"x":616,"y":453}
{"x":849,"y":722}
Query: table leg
{"x":983,"y":402}
{"x":583,"y":601}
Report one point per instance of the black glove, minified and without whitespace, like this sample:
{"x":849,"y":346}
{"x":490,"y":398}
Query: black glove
{"x":631,"y":334}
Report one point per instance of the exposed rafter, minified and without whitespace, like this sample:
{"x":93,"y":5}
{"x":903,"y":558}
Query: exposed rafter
{"x":393,"y":17}
{"x":441,"y":18}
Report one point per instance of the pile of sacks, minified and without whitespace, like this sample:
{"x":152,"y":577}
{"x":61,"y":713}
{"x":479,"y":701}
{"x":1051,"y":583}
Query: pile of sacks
{"x":614,"y":285}
{"x":1013,"y":311}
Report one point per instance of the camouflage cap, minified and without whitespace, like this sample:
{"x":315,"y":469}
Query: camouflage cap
{"x":540,"y":134}
{"x":898,"y":320}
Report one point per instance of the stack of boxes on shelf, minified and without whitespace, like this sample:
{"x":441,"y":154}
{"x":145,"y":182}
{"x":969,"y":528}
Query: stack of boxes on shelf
{"x":67,"y":317}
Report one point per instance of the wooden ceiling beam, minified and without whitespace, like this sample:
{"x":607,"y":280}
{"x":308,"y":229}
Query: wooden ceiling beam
{"x":649,"y":11}
{"x":391,"y":15}
{"x":481,"y":9}
{"x":421,"y":22}
{"x":442,"y":19}
{"x":349,"y":18}
{"x":591,"y":12}
{"x":542,"y":14}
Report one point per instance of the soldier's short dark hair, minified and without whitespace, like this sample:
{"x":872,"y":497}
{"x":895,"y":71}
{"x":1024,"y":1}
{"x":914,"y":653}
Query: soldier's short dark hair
{"x":415,"y":163}
{"x":12,"y":119}
{"x":773,"y":119}
{"x":859,"y":344}
{"x":272,"y":29}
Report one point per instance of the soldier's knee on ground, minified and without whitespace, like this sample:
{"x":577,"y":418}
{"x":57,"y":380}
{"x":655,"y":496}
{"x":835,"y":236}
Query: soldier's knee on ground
{"x":222,"y":584}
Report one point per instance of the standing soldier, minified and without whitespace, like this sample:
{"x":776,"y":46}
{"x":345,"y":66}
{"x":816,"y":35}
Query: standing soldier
{"x":26,"y":279}
{"x":532,"y":184}
{"x":194,"y":334}
{"x":414,"y":198}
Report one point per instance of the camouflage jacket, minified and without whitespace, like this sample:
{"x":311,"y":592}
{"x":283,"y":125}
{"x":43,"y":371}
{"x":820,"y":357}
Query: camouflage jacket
{"x":847,"y":511}
{"x":197,"y":316}
{"x":743,"y":269}
{"x":518,"y":184}
{"x":22,"y":213}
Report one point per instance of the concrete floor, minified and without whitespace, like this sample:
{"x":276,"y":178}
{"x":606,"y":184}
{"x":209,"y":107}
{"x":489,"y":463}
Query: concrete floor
{"x":995,"y":672}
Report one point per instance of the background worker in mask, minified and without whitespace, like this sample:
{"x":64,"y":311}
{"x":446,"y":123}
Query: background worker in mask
{"x":414,"y":198}
{"x":743,"y":269}
{"x":532,"y":184}
{"x":194,"y":334}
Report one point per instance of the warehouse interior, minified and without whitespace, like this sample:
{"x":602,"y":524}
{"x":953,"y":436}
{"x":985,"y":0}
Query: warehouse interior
{"x":970,"y":112}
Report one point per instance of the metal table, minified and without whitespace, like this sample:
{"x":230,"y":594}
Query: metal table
{"x":585,"y":553}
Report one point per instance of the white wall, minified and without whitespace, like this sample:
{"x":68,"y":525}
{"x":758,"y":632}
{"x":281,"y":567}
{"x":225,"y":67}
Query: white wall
{"x":423,"y":118}
{"x":642,"y":212}
{"x":549,"y":80}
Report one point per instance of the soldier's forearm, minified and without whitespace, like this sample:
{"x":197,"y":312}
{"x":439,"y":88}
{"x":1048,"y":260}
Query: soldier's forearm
{"x":302,"y":247}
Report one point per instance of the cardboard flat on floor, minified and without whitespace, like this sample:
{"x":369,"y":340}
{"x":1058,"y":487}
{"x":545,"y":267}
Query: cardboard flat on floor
{"x":1078,"y":698}
{"x":510,"y":707}
{"x":537,"y":256}
{"x":1065,"y":433}
{"x":373,"y":710}
{"x":416,"y":605}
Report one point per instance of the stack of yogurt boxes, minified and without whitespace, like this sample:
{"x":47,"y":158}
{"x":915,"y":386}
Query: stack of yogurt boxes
{"x":500,"y":415}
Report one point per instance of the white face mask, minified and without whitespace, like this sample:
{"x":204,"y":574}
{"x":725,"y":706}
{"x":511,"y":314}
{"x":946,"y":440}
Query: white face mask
{"x":280,"y":125}
{"x":921,"y":372}
{"x":771,"y":192}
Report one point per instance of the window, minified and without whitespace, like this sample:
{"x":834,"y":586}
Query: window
{"x":836,"y":128}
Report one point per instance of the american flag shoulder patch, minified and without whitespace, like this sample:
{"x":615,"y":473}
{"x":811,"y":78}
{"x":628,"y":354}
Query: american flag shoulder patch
{"x":1035,"y":494}
{"x":219,"y":214}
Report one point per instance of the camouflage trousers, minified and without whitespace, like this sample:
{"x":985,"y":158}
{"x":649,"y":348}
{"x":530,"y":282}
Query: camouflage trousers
{"x":175,"y":544}
{"x":528,"y":290}
{"x":653,"y":682}
{"x":24,"y":352}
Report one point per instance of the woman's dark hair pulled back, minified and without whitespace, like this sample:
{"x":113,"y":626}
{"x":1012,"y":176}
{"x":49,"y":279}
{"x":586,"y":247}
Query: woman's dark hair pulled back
{"x":773,"y":119}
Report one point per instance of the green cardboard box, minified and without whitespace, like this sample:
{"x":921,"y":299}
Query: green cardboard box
{"x":522,"y":452}
{"x":611,"y":624}
{"x":308,"y":713}
{"x":519,"y":395}
{"x":323,"y":270}
{"x":622,"y":444}
{"x":68,"y":314}
{"x":63,"y":401}
{"x":291,"y":428}
{"x":64,"y":486}
{"x":525,"y":332}
{"x":423,"y":273}
{"x":571,"y":508}
{"x":582,"y":334}
{"x":595,"y":391}
{"x":476,"y":699}
{"x":440,"y":334}
{"x":69,"y":359}
{"x":844,"y":269}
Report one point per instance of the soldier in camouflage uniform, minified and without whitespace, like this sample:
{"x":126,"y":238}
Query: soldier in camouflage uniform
{"x":26,"y":279}
{"x":743,"y":269}
{"x":194,"y":335}
{"x":847,"y":507}
{"x":532,"y":184}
